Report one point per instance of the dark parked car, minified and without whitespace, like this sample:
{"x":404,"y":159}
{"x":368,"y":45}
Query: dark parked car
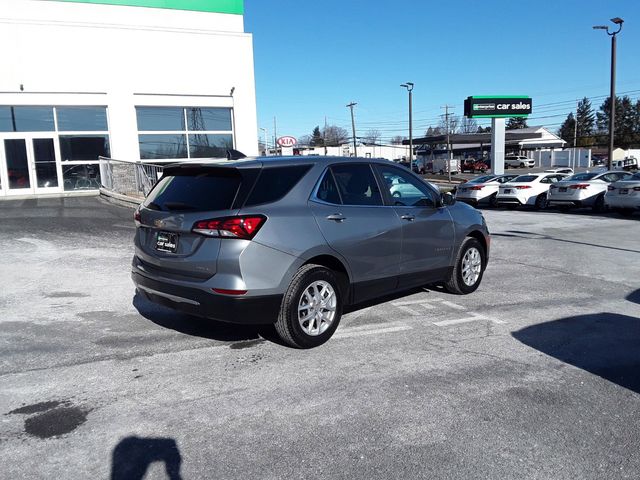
{"x":292,"y":241}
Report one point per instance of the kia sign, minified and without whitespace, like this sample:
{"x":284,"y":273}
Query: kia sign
{"x":497,"y":107}
{"x":287,"y":141}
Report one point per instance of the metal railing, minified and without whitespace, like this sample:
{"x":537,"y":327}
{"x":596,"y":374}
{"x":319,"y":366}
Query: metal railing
{"x":126,"y":177}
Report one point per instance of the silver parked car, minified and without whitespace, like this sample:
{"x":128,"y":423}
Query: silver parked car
{"x":624,"y":195}
{"x":293,"y":240}
{"x":584,"y":189}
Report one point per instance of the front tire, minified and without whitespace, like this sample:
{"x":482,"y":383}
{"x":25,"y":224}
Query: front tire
{"x":468,"y":269}
{"x":311,"y":308}
{"x":599,"y":206}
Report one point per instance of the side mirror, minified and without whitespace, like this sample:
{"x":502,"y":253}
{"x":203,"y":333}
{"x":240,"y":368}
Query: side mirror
{"x":447,"y":199}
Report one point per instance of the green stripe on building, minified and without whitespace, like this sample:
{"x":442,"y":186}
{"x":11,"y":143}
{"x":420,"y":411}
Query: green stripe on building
{"x":235,"y":7}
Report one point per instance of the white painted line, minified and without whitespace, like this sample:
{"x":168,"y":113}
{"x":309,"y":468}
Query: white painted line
{"x":473,"y":318}
{"x":415,"y":302}
{"x":455,"y":306}
{"x":408,"y":310}
{"x":378,"y":331}
{"x":371,"y":326}
{"x":358,"y":313}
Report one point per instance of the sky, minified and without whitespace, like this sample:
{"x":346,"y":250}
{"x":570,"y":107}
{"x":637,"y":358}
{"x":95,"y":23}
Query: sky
{"x":313,"y":58}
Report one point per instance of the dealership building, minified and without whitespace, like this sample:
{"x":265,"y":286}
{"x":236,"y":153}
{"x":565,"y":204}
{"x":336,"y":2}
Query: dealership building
{"x":149,"y":80}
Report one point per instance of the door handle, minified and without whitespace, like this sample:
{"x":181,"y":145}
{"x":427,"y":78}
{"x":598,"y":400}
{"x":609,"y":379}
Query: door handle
{"x":410,"y":218}
{"x":337,"y":217}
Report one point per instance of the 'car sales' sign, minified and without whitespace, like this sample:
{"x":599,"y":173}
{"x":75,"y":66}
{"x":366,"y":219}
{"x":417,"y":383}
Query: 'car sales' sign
{"x":287,"y":141}
{"x":497,"y":107}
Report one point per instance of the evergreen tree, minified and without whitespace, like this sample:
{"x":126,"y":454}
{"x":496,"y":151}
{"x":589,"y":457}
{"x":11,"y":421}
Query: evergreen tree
{"x":586,"y":123}
{"x":317,"y":140}
{"x":625,"y":124}
{"x":567,"y":130}
{"x":516,"y":123}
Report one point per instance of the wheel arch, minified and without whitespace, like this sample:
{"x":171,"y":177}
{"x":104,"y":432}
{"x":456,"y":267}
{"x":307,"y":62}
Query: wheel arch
{"x":478,"y":235}
{"x":337,"y":266}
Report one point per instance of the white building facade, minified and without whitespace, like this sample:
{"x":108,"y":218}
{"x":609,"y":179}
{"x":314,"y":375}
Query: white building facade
{"x":150,"y":80}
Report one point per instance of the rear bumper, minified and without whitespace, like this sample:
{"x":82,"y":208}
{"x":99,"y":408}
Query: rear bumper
{"x":620,"y":201}
{"x":194,"y":301}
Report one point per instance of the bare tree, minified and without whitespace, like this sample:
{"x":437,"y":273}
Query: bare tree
{"x":335,"y":136}
{"x":304,"y":140}
{"x":397,"y":140}
{"x":468,"y":125}
{"x":372,"y":136}
{"x":454,"y":122}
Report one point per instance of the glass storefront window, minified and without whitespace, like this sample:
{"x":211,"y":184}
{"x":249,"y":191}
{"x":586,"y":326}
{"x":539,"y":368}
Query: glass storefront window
{"x":162,"y":146}
{"x":81,"y":177}
{"x":84,"y":147}
{"x":209,"y":145}
{"x":209,"y":119}
{"x":26,"y":119}
{"x":157,"y":119}
{"x":78,"y":119}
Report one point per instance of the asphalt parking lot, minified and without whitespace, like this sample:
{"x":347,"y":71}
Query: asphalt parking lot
{"x":536,"y":375}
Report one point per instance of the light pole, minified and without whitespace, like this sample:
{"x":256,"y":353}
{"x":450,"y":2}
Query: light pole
{"x":409,"y":87}
{"x":266,"y":147}
{"x":353,"y":128}
{"x":612,"y":98}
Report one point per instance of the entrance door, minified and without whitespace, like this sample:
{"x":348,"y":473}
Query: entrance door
{"x":30,"y":165}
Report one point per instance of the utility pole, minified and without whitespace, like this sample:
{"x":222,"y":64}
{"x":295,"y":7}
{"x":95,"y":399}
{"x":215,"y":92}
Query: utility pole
{"x":612,"y":98}
{"x":353,"y":128}
{"x":449,"y":152}
{"x":324,"y":136}
{"x":575,"y":128}
{"x":409,"y":87}
{"x":275,"y":136}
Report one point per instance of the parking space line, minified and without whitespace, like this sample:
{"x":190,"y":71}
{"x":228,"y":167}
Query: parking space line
{"x":455,"y":306}
{"x":349,"y":333}
{"x":415,"y":302}
{"x":372,"y":326}
{"x":473,"y":318}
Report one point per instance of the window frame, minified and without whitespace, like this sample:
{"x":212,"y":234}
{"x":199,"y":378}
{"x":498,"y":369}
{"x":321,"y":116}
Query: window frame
{"x":186,"y":131}
{"x":388,"y":199}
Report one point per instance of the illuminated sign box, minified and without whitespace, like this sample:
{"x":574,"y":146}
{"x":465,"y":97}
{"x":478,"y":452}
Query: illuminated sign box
{"x":214,"y":6}
{"x":497,"y":106}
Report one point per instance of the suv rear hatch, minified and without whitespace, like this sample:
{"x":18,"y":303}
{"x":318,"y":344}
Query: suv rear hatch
{"x":185,"y":199}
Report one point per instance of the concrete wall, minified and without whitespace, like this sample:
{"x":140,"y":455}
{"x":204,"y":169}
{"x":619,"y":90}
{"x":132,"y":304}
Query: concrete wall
{"x":88,"y":54}
{"x":572,"y":157}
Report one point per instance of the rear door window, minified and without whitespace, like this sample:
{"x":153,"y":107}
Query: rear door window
{"x":195,"y":192}
{"x":356,"y":184}
{"x":328,"y":190}
{"x":274,"y":183}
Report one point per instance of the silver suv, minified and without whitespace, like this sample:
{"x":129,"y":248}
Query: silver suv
{"x":292,"y":241}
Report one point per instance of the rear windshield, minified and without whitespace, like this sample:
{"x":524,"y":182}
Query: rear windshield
{"x":525,"y":179}
{"x":582,"y":176}
{"x":204,"y":191}
{"x":635,"y":176}
{"x":486,"y":178}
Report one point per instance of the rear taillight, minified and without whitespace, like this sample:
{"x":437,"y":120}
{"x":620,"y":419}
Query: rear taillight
{"x":611,"y":187}
{"x":478,"y":187}
{"x":636,"y":189}
{"x":579,"y":186}
{"x":242,"y":227}
{"x":522,"y":187}
{"x":137,"y":217}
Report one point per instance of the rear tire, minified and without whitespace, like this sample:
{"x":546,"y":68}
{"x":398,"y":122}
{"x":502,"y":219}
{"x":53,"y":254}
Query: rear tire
{"x":493,"y":200}
{"x":522,"y":165}
{"x":541,"y":202}
{"x":599,"y":206}
{"x":318,"y":288}
{"x":468,"y":269}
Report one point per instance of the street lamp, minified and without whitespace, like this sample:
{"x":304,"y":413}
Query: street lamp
{"x":612,"y":112}
{"x":409,"y":87}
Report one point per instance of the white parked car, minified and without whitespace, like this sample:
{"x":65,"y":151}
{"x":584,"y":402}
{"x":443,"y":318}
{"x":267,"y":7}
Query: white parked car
{"x":567,"y":170}
{"x":529,"y":189}
{"x":584,"y":189}
{"x":624,"y":195}
{"x":482,"y":189}
{"x":518,"y":161}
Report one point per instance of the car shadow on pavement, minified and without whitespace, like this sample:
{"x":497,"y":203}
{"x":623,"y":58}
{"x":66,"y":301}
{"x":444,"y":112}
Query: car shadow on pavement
{"x":539,"y":236}
{"x":634,"y":296}
{"x":201,"y":327}
{"x":132,"y":456}
{"x":605,"y":344}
